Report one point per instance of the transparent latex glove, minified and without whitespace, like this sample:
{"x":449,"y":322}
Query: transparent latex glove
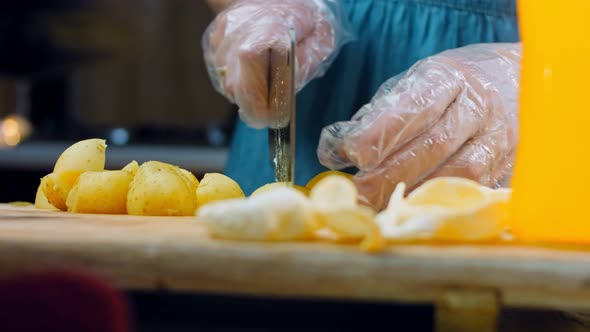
{"x":452,"y":114}
{"x":237,"y":49}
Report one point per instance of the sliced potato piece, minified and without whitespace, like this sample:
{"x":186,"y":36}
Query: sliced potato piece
{"x":445,"y":209}
{"x":56,"y":187}
{"x":132,"y":167}
{"x":41,"y":201}
{"x":161,"y":189}
{"x":100,"y":192}
{"x":281,"y":215}
{"x":334,"y":199}
{"x":87,"y":155}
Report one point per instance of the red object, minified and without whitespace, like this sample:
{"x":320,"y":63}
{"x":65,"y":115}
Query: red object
{"x":61,"y":301}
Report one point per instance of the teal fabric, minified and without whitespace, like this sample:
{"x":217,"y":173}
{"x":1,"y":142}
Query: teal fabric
{"x":391,"y":36}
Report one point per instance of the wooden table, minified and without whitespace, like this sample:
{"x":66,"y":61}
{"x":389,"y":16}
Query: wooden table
{"x":468,"y":284}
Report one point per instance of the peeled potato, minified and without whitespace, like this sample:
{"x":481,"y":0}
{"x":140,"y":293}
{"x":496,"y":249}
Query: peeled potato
{"x":334,"y":200}
{"x":282,"y":215}
{"x":160,"y":189}
{"x":190,"y":177}
{"x":446,"y":209}
{"x":216,"y":187}
{"x":87,"y":155}
{"x":452,"y":192}
{"x":100,"y":192}
{"x":325,"y":174}
{"x":41,"y":201}
{"x":131,"y":167}
{"x":56,"y":187}
{"x":274,"y":185}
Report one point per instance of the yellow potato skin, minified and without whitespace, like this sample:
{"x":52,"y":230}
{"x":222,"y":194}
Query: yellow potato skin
{"x":316,"y":179}
{"x":270,"y":186}
{"x":57,"y":186}
{"x":160,"y":189}
{"x":87,"y":155}
{"x":41,"y":201}
{"x":216,"y":187}
{"x":190,"y":177}
{"x":100,"y":192}
{"x":132,"y":167}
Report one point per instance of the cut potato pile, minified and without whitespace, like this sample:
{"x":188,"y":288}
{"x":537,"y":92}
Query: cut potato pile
{"x":79,"y":183}
{"x":284,"y":213}
{"x":325,"y":209}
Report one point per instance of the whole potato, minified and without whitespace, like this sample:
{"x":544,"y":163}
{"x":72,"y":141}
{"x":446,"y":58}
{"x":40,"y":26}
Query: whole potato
{"x":216,"y":187}
{"x":160,"y":189}
{"x":100,"y":192}
{"x":87,"y":155}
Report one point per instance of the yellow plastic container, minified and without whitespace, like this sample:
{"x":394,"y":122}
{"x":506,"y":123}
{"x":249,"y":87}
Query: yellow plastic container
{"x":551,"y":182}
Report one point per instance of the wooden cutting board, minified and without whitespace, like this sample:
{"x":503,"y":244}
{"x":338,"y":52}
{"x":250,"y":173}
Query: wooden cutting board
{"x":176,"y":253}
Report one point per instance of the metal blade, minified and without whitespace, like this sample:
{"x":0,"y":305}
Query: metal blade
{"x":282,"y":94}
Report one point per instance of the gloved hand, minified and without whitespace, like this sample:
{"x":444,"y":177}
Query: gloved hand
{"x":236,"y":48}
{"x":453,"y":114}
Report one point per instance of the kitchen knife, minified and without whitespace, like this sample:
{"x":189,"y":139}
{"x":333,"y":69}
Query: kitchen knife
{"x":281,"y":134}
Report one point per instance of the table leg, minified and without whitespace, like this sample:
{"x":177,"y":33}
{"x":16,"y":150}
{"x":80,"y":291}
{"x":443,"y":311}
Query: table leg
{"x":461,"y":310}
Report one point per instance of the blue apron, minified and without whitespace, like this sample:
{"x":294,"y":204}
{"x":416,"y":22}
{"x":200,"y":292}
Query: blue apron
{"x":391,"y":36}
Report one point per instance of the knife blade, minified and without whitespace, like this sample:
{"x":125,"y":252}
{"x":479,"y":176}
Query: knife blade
{"x":281,"y":135}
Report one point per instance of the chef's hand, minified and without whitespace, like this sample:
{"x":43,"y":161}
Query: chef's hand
{"x":453,"y":114}
{"x":236,"y":48}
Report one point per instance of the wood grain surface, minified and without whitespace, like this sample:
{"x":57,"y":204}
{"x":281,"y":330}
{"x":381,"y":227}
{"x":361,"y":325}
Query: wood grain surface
{"x":176,"y":253}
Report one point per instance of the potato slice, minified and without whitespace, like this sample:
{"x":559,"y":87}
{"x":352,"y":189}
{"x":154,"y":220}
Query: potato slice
{"x":87,"y":155}
{"x":160,"y":189}
{"x":334,"y":200}
{"x":41,"y":201}
{"x":445,"y":209}
{"x":132,"y":167}
{"x":56,"y":187}
{"x":280,"y":215}
{"x":274,"y":185}
{"x":100,"y":192}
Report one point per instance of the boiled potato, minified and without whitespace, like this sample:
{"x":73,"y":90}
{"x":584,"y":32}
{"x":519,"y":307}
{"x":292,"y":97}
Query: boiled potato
{"x":41,"y":201}
{"x":100,"y":192}
{"x":132,"y":167}
{"x":160,"y":189}
{"x":334,"y":199}
{"x":56,"y":187}
{"x":312,"y":183}
{"x":216,"y":187}
{"x":190,"y":177}
{"x":87,"y":155}
{"x":271,"y":186}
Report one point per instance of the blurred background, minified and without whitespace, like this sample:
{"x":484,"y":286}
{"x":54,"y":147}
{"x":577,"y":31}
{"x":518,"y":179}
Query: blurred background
{"x":128,"y":71}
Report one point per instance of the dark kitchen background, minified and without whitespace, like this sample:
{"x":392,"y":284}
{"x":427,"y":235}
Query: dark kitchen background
{"x":128,"y":71}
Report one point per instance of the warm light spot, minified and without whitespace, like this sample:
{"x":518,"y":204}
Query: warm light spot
{"x":13,"y":129}
{"x":12,"y":140}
